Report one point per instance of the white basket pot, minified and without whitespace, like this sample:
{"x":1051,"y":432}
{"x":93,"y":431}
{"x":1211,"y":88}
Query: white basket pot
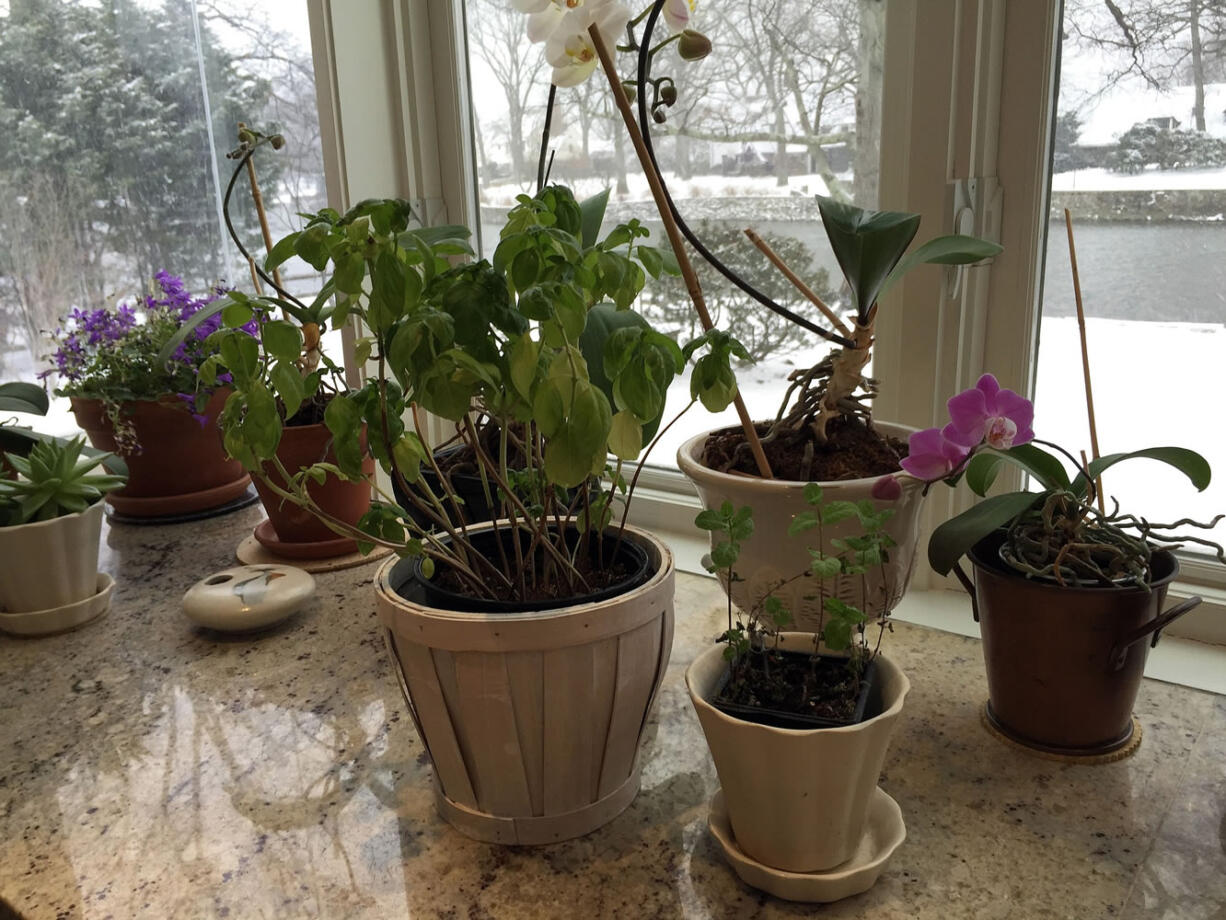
{"x":770,"y":556}
{"x":533,"y":720}
{"x":50,"y":564}
{"x":796,"y":799}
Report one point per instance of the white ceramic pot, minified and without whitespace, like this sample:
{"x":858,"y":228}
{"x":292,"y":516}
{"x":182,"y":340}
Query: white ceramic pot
{"x":50,"y":564}
{"x":533,"y":720}
{"x":770,"y":556}
{"x":796,"y":800}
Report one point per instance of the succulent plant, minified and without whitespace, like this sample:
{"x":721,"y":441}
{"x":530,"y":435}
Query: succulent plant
{"x":56,"y":479}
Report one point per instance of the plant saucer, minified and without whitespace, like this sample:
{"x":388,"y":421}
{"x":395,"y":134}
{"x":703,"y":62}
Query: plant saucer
{"x":884,"y":832}
{"x":60,"y":619}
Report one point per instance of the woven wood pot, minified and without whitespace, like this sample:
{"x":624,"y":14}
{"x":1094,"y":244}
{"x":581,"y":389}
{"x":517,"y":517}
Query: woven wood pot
{"x":50,"y":564}
{"x":181,"y":466}
{"x":533,"y":720}
{"x":796,"y":799}
{"x":770,"y":556}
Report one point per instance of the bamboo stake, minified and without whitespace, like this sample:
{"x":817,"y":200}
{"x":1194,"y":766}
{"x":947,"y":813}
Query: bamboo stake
{"x":770,"y":253}
{"x":310,"y":331}
{"x":1085,"y":352}
{"x":674,"y":234}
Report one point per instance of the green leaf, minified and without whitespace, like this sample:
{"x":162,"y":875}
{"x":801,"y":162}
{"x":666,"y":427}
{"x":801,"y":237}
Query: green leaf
{"x":283,"y":250}
{"x":709,"y":519}
{"x":867,"y":245}
{"x":344,"y":421}
{"x":981,"y":472}
{"x":825,"y":566}
{"x":23,"y":397}
{"x":953,"y":539}
{"x":813,"y":493}
{"x":312,"y":246}
{"x":281,"y":339}
{"x":189,"y":326}
{"x":626,"y":436}
{"x":350,"y":270}
{"x":237,"y":313}
{"x":287,"y":383}
{"x":261,"y":427}
{"x":955,"y":249}
{"x":241,"y":353}
{"x":1048,"y":470}
{"x":802,"y":521}
{"x":1188,"y":462}
{"x":591,"y":211}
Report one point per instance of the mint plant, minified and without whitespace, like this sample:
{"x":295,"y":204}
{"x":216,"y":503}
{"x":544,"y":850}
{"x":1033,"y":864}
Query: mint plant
{"x":752,"y":636}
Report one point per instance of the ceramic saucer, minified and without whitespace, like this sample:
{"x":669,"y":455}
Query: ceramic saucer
{"x":883,"y":833}
{"x":247,"y":597}
{"x":60,"y":619}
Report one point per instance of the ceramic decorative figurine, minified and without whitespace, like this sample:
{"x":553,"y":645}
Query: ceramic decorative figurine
{"x":248,"y":597}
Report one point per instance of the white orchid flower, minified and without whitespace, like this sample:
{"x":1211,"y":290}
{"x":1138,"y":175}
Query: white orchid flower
{"x":546,"y":16}
{"x":677,"y":13}
{"x":569,"y":49}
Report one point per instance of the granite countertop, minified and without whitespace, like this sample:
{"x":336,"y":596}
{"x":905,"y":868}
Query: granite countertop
{"x":149,"y":768}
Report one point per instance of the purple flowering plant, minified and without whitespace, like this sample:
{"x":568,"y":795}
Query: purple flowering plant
{"x":112,"y":355}
{"x":1059,"y":531}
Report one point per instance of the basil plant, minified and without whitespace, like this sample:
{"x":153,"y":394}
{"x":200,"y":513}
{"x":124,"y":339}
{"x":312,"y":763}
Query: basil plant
{"x":536,"y":359}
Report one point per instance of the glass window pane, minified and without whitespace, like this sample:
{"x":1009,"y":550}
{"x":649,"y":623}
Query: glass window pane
{"x":114,"y":124}
{"x":1140,"y":161}
{"x":785,"y":108}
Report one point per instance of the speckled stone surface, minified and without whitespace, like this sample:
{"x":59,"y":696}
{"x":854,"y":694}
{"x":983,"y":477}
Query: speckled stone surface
{"x":149,"y":768}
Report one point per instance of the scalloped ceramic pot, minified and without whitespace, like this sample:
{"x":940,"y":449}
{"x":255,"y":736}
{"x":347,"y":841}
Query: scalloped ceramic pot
{"x":532,"y":720}
{"x":809,"y":815}
{"x":770,"y":556}
{"x":50,"y":564}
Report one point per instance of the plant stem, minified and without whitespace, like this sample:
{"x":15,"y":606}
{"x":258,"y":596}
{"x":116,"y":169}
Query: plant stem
{"x":674,"y":235}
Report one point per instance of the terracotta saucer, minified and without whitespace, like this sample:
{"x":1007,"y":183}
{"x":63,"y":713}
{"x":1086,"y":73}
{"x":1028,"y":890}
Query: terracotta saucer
{"x":884,"y":832}
{"x":155,"y":506}
{"x":60,"y":619}
{"x":320,"y":549}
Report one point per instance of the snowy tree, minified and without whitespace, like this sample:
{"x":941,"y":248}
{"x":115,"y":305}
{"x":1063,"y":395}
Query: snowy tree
{"x":105,"y":172}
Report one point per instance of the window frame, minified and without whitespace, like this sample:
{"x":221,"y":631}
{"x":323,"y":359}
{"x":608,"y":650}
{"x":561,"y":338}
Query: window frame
{"x":966,"y":83}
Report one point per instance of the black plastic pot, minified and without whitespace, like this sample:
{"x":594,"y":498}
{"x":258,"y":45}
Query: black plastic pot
{"x":467,"y":486}
{"x":781,"y":719}
{"x":408,"y":581}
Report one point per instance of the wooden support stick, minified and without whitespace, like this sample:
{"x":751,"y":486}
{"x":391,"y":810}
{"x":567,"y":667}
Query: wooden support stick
{"x":809,"y":293}
{"x":258,"y":198}
{"x":674,"y":234}
{"x":1085,"y":351}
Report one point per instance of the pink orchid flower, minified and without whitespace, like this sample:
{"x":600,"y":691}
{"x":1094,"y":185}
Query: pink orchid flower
{"x":932,"y":455}
{"x":986,"y":412}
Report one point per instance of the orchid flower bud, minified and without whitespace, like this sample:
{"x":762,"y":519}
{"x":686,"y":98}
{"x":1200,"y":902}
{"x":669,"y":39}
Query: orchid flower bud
{"x":693,"y":46}
{"x":668,"y":95}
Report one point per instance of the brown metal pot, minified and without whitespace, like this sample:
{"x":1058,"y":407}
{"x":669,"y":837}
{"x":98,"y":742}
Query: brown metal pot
{"x":1064,"y":664}
{"x":291,"y":529}
{"x":181,"y":467}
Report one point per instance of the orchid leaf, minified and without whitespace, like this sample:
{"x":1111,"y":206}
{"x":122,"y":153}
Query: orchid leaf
{"x":955,"y":249}
{"x":23,"y":397}
{"x":1188,"y":462}
{"x":867,"y":244}
{"x":954,"y":539}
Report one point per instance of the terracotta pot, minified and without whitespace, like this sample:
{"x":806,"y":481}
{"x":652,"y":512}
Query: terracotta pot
{"x":770,"y":556}
{"x":796,"y":799}
{"x":181,"y":466}
{"x":1064,"y":664}
{"x":50,"y":564}
{"x":302,"y":446}
{"x":533,"y":720}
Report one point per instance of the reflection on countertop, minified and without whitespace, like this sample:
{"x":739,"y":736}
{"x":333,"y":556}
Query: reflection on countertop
{"x":149,"y":768}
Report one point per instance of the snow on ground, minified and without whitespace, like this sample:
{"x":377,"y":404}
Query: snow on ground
{"x":1155,"y":384}
{"x":714,"y":186}
{"x":1100,"y":179}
